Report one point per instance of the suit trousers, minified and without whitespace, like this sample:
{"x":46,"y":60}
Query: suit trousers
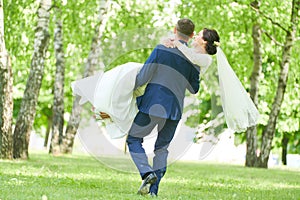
{"x":142,"y":126}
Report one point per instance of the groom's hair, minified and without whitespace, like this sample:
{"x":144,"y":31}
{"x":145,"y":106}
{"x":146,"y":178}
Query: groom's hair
{"x":185,"y":27}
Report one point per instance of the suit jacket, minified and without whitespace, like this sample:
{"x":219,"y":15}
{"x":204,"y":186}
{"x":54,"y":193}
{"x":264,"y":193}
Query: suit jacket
{"x":168,"y":73}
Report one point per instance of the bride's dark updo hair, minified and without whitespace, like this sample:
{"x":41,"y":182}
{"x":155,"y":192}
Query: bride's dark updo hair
{"x":213,"y":40}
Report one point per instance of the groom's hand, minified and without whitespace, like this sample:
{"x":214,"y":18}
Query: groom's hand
{"x":104,"y":115}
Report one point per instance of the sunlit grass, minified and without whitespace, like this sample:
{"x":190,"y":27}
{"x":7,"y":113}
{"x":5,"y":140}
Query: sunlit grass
{"x":83,"y":177}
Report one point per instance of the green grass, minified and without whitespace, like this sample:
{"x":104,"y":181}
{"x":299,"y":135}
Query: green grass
{"x":83,"y":177}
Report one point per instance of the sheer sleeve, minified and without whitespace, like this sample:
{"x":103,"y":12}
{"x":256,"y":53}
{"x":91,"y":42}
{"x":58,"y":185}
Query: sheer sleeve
{"x":202,"y":60}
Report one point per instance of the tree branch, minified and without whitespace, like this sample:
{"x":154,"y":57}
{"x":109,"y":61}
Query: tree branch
{"x":269,"y":18}
{"x":272,"y":38}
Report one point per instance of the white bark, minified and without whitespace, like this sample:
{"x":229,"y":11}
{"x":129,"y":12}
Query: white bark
{"x":28,"y":106}
{"x":6,"y":97}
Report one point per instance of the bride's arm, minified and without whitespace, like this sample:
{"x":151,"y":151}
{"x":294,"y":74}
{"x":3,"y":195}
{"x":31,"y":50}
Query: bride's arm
{"x":202,"y":60}
{"x":167,"y":42}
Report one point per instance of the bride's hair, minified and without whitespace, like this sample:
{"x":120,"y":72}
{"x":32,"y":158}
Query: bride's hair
{"x":212,"y":38}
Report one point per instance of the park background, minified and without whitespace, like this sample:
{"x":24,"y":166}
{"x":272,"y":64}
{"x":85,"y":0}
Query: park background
{"x":45,"y":45}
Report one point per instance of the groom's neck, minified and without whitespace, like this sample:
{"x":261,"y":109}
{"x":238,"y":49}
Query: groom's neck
{"x":179,"y":37}
{"x":182,"y":39}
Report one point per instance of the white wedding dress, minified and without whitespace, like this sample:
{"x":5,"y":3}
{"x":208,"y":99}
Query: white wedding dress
{"x":112,"y":92}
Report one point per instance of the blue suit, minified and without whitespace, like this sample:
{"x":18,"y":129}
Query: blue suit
{"x":167,"y":73}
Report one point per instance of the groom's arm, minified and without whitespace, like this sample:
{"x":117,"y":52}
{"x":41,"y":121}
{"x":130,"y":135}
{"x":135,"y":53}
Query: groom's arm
{"x":194,"y":81}
{"x":147,"y":70}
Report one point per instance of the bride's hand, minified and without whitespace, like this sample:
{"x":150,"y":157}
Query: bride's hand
{"x":168,"y":42}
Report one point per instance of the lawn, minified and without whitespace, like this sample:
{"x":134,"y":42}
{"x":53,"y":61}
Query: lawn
{"x":83,"y":177}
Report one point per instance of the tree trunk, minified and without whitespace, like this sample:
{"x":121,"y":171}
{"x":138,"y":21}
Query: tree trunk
{"x":28,"y":106}
{"x":58,"y":104}
{"x":6,"y":97}
{"x":284,"y":144}
{"x":72,"y":127}
{"x":92,"y":62}
{"x":269,"y":130}
{"x":251,"y":133}
{"x":48,"y":131}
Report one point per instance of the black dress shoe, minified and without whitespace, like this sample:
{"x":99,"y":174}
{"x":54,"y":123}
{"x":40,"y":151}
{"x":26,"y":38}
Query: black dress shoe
{"x":147,"y":182}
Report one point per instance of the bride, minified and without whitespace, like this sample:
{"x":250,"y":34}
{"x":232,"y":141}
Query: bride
{"x":113,"y":97}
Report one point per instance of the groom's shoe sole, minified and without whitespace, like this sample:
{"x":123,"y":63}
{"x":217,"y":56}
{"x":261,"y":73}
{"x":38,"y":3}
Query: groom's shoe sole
{"x":147,"y":182}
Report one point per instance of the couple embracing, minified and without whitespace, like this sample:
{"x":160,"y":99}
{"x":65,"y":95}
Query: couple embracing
{"x":170,"y":70}
{"x":168,"y":73}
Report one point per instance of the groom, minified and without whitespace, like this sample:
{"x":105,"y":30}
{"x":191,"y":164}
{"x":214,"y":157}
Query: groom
{"x":167,"y":74}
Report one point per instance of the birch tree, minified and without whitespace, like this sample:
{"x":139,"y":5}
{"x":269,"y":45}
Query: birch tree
{"x":261,"y":160}
{"x":90,"y":66}
{"x":58,"y":104}
{"x":6,"y":98}
{"x":269,"y":130}
{"x":251,"y":133}
{"x":27,"y":111}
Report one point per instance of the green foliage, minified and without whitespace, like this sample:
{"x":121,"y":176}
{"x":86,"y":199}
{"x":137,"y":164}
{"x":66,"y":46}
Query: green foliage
{"x":82,"y":177}
{"x":135,"y":27}
{"x":78,"y":30}
{"x":79,"y":21}
{"x":233,"y":21}
{"x":19,"y":39}
{"x":235,"y":33}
